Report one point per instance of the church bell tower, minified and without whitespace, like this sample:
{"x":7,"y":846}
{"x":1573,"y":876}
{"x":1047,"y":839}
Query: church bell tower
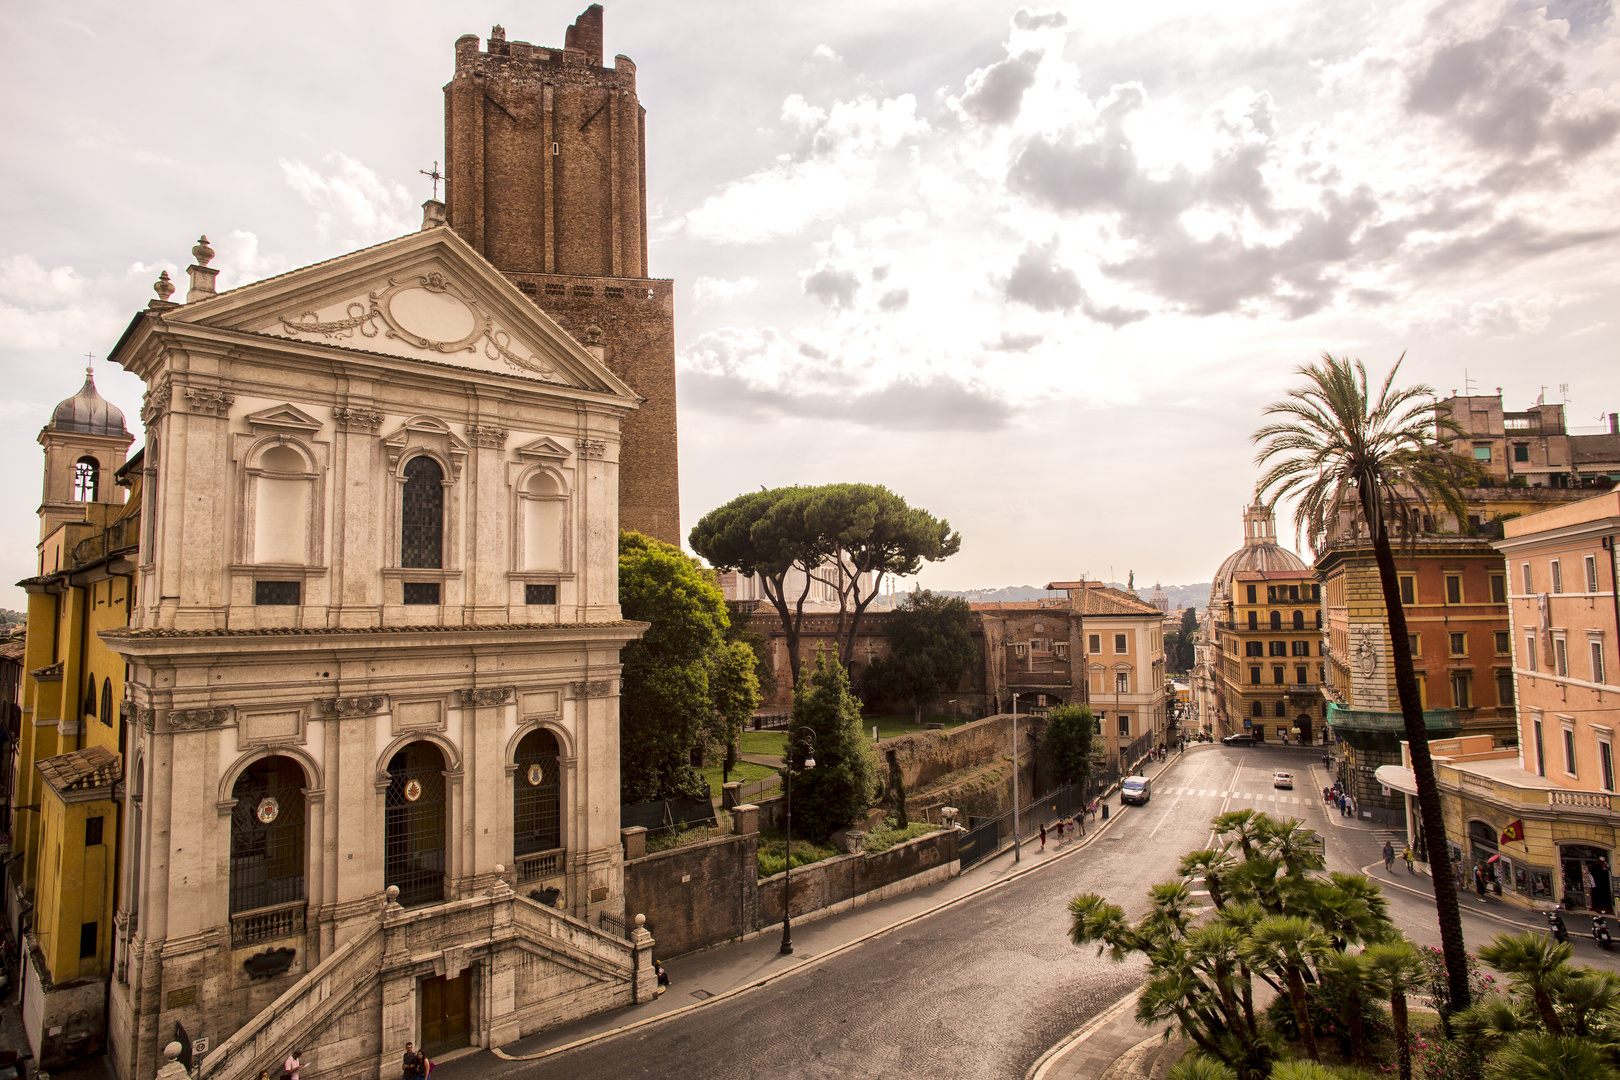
{"x":546,"y":175}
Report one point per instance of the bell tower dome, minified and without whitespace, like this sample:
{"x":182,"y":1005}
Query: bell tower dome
{"x":85,"y":445}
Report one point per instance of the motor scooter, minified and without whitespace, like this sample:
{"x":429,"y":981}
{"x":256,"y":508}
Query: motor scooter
{"x":1600,"y":932}
{"x":1555,"y":920}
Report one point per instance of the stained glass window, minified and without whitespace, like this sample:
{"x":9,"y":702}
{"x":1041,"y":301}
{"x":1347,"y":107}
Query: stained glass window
{"x":421,"y":532}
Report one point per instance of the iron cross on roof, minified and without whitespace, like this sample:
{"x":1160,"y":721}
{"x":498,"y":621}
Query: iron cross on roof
{"x":435,"y":176}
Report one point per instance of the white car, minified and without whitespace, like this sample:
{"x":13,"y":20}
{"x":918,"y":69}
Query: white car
{"x":1282,"y":780}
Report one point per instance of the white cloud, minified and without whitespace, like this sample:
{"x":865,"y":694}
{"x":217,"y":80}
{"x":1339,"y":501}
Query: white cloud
{"x":710,"y":290}
{"x":353,"y":205}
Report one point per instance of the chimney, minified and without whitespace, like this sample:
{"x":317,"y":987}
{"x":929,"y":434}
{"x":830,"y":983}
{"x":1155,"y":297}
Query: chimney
{"x":202,"y":278}
{"x":432,"y":214}
{"x":1614,"y":423}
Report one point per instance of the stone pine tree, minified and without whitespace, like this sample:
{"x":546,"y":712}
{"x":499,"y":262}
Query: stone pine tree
{"x":847,"y":536}
{"x":840,"y":788}
{"x":681,"y":679}
{"x":1336,"y":446}
{"x":930,"y":648}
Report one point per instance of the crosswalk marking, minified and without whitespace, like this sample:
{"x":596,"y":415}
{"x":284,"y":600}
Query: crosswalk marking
{"x":1257,"y":796}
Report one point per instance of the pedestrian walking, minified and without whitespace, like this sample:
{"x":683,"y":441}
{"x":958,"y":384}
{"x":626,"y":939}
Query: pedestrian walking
{"x":1407,"y":855}
{"x":1389,"y":855}
{"x":1351,"y":799}
{"x":294,"y":1063}
{"x":1043,"y":837}
{"x":411,"y":1066}
{"x":1479,"y":881}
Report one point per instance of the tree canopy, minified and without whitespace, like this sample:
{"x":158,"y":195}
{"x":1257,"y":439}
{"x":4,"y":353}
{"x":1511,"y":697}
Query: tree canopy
{"x":930,"y":649}
{"x":847,"y":536}
{"x":1069,"y":743}
{"x":682,"y":682}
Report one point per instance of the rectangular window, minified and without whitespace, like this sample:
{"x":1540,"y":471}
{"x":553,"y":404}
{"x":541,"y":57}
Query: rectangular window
{"x":1504,"y":688}
{"x":1124,"y":725}
{"x":1591,"y":574}
{"x":1530,"y":652}
{"x":1279,"y":648}
{"x":1529,"y":586}
{"x":1541,"y":755}
{"x":1502,"y":643}
{"x":1415,"y":642}
{"x":1408,"y":591}
{"x":1251,"y":594}
{"x":1254,"y":676}
{"x":1277,"y":675}
{"x":1095,"y":643}
{"x":1498,"y":589}
{"x":1557,"y":577}
{"x":1453,"y":589}
{"x":1061,"y":648}
{"x":1597,"y":660}
{"x":1569,"y":751}
{"x":1482,"y":453}
{"x":1561,"y":657}
{"x":276,"y":593}
{"x":1301,"y":648}
{"x":1254,"y":620}
{"x":88,"y":938}
{"x":1254,"y":648}
{"x":1119,"y":643}
{"x":92,"y":831}
{"x":1459,"y":644}
{"x":1293,"y":592}
{"x":1521,"y":452}
{"x":1122,"y":682}
{"x":1271,"y":594}
{"x":1301,"y":674}
{"x":422,"y":592}
{"x":1606,"y":761}
{"x":1461,"y":688}
{"x":1100,"y":718}
{"x":539,"y":594}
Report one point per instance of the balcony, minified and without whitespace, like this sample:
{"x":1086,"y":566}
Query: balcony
{"x":543,"y":864}
{"x":1303,"y":688}
{"x":267,"y":924}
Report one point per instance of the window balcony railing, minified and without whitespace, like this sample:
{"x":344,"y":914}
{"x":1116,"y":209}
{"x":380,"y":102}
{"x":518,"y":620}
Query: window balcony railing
{"x":267,"y":924}
{"x":541,"y":864}
{"x":1303,"y":688}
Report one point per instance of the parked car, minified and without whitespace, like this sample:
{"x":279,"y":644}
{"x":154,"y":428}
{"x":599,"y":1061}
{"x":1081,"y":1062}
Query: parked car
{"x":1135,"y":789}
{"x":1282,"y":780}
{"x":1242,"y":738}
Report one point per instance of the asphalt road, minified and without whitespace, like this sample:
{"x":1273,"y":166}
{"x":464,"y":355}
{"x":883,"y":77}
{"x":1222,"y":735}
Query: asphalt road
{"x":984,"y":987}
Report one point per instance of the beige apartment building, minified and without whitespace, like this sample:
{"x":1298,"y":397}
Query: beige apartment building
{"x":1547,"y":810}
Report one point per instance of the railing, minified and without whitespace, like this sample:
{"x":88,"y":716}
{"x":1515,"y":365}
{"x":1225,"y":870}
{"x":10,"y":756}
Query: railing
{"x":267,"y":924}
{"x":115,"y":537}
{"x":770,"y":721}
{"x":614,"y":925}
{"x":1303,"y":688}
{"x":1585,"y":799}
{"x":542,"y":864}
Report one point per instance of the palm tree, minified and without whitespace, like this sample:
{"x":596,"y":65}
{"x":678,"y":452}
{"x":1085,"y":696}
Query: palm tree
{"x":1396,"y":969}
{"x":1288,"y":946}
{"x":1535,"y":1055}
{"x":1210,"y":864}
{"x":1337,"y":445}
{"x":1352,"y":974}
{"x":1535,"y":964}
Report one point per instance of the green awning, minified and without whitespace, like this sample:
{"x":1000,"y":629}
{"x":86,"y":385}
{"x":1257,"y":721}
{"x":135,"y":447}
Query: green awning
{"x":1435,"y":721}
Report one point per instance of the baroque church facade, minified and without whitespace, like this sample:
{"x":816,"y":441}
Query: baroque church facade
{"x":357,"y":629}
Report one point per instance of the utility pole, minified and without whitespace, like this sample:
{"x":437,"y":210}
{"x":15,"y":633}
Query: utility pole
{"x":1017,"y":851}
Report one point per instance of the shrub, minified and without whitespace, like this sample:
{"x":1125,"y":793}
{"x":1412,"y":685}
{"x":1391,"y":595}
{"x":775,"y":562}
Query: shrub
{"x":1329,"y":1009}
{"x":772,"y":854}
{"x":886,"y":836}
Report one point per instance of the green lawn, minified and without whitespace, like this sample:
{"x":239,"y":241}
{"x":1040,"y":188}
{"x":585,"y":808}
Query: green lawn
{"x":745,"y":771}
{"x":764,"y":742}
{"x":772,"y":742}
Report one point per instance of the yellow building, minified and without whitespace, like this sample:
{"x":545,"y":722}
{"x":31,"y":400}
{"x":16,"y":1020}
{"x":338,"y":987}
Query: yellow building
{"x":67,"y":828}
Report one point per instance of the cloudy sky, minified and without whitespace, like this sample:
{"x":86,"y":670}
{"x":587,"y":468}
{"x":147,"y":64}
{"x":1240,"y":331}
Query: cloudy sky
{"x":1036,"y":268}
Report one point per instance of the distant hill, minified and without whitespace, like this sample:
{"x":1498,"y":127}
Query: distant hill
{"x":1181,"y":596}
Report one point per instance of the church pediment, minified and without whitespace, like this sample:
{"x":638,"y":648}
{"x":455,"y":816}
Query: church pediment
{"x":426,"y":296}
{"x":545,"y":448}
{"x":287,"y":416}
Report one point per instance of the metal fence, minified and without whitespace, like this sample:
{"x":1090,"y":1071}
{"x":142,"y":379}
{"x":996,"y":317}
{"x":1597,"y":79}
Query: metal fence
{"x":986,"y":835}
{"x":770,"y":721}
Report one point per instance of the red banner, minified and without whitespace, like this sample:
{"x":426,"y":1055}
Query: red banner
{"x":1514,"y":833}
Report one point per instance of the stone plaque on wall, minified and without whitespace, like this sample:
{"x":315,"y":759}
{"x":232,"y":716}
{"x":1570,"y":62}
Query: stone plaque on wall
{"x":540,"y":703}
{"x":425,"y":715}
{"x":286,"y":725}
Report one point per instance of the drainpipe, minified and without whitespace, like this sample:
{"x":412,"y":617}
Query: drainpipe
{"x":1614,"y":587}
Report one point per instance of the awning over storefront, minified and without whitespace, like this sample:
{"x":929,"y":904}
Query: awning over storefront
{"x":1397,"y":778}
{"x":1435,"y":721}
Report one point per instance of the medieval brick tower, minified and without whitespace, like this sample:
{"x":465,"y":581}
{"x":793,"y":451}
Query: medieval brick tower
{"x":546,"y":175}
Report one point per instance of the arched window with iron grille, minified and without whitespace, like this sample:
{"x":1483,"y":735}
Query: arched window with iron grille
{"x":267,"y":835}
{"x":536,"y":790}
{"x":421,"y":522}
{"x":414,"y":832}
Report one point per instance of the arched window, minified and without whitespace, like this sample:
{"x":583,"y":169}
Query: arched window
{"x":86,"y":479}
{"x":413,"y":824}
{"x":267,"y":835}
{"x":1299,"y":620}
{"x":421,"y":523}
{"x":1276,"y":620}
{"x":1256,"y":709}
{"x":282,"y":507}
{"x":106,"y":702}
{"x":90,"y":698}
{"x":542,"y":501}
{"x":1282,"y":709}
{"x":536,"y":817}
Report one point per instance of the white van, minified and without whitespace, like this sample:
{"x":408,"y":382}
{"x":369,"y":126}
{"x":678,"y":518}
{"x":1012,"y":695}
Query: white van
{"x":1135,"y":789}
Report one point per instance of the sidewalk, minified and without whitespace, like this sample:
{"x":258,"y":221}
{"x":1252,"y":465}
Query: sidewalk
{"x":704,"y":977}
{"x":1112,"y":1047}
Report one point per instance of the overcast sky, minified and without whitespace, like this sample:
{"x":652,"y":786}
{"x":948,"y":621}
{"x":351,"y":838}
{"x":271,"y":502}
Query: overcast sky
{"x":1037,"y":269}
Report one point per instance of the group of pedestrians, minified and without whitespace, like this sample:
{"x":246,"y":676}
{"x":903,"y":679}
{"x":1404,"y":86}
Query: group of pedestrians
{"x":1065,"y":829}
{"x":1340,"y":799}
{"x":1406,"y":854}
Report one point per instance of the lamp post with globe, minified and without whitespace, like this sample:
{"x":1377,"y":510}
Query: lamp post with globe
{"x":795,"y":735}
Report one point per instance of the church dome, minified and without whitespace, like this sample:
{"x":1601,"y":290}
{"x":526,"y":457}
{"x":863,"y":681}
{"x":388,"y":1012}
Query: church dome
{"x":88,"y":413}
{"x":1260,"y":551}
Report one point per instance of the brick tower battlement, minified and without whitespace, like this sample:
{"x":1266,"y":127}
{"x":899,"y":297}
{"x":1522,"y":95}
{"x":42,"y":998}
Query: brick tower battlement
{"x":546,"y":175}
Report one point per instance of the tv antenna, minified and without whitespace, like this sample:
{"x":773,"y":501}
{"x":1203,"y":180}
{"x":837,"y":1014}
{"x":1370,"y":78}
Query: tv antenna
{"x":1468,"y":384}
{"x":1563,"y":391}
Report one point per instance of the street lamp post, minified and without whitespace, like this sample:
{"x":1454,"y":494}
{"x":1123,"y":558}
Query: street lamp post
{"x":1017,"y":851}
{"x":809,"y":737}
